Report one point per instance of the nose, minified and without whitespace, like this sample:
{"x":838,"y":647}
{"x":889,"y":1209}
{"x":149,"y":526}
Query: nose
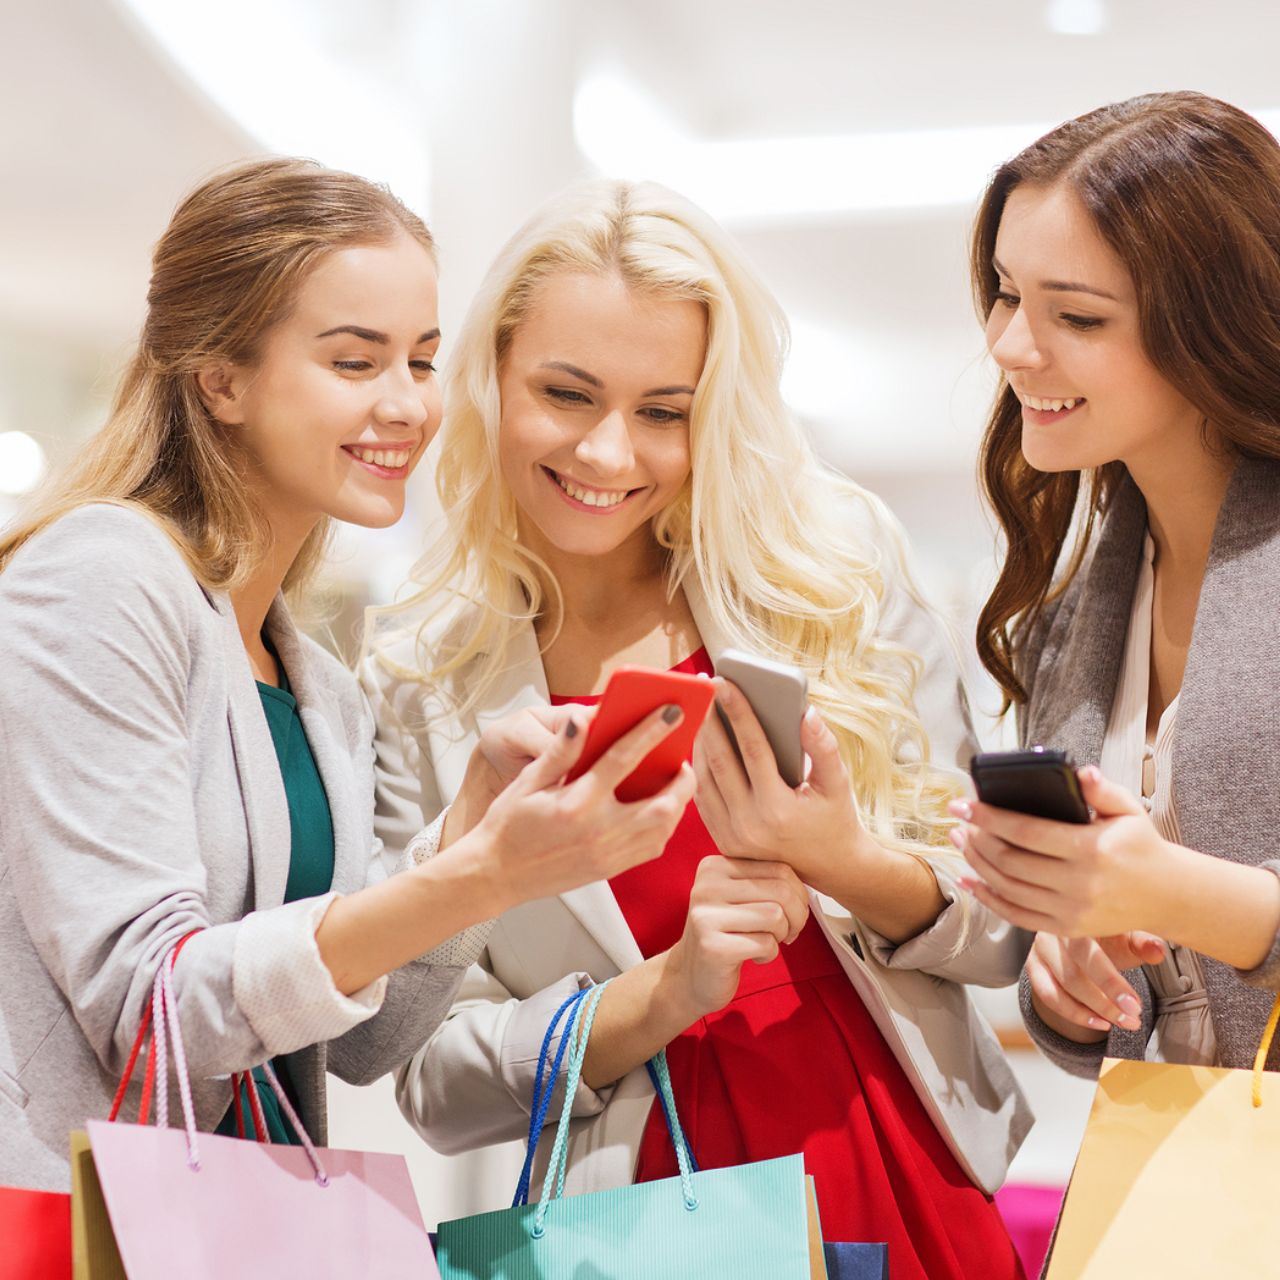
{"x":606,"y":448}
{"x":1012,"y":341}
{"x":403,"y":399}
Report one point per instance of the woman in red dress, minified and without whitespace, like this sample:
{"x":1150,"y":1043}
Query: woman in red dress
{"x":624,"y":484}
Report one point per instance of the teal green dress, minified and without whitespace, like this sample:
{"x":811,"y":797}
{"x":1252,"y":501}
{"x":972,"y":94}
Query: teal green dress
{"x":310,"y":868}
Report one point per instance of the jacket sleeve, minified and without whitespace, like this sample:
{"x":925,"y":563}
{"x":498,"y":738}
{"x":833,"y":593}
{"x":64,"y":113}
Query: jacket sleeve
{"x":103,"y":821}
{"x":472,"y":1084}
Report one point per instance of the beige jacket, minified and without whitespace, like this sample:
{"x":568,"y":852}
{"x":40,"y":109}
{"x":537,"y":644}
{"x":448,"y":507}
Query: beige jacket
{"x":472,"y":1084}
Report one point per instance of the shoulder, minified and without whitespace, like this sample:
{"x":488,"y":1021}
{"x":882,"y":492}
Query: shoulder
{"x":103,"y":538}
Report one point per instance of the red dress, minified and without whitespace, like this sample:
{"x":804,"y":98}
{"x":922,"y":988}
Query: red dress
{"x":795,"y":1063}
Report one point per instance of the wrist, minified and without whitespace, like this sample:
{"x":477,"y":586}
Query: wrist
{"x":480,"y":787}
{"x":675,"y":1003}
{"x":466,"y":874}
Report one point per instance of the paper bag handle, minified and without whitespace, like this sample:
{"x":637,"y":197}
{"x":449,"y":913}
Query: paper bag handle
{"x":1263,"y":1049}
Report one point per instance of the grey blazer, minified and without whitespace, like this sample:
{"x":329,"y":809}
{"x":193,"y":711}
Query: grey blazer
{"x":141,"y":798}
{"x":1226,"y":763}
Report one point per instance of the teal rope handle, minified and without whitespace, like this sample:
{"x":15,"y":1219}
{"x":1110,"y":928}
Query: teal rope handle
{"x":578,"y":1034}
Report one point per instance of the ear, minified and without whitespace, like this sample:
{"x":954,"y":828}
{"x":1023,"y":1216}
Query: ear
{"x":218,"y":384}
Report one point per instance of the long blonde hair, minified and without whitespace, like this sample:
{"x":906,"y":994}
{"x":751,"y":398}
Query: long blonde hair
{"x":228,"y":267}
{"x":765,"y":525}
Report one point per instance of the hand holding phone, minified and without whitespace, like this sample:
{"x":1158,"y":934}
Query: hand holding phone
{"x":778,"y":693}
{"x":631,"y":694}
{"x":1039,"y":782}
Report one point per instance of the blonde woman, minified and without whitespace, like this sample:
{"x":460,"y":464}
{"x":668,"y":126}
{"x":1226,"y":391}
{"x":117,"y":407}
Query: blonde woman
{"x":623,"y":484}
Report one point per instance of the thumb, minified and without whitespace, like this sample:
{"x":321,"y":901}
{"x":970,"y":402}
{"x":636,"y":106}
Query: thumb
{"x":1105,"y":798}
{"x":1129,"y":950}
{"x":828,"y":774}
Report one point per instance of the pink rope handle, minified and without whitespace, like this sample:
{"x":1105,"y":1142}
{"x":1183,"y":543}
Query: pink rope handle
{"x":164,"y":1005}
{"x":322,"y":1178}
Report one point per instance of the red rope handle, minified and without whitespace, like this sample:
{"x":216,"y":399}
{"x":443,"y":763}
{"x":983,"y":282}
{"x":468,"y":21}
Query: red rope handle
{"x":149,"y":1079}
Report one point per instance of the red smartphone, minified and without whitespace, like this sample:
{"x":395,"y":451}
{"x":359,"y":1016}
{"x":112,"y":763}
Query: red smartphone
{"x":631,"y":694}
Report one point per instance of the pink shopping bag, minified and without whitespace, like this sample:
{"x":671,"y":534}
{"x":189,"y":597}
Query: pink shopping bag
{"x":212,"y":1208}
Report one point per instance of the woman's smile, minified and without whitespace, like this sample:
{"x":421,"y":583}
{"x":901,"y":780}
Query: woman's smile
{"x":578,"y":495}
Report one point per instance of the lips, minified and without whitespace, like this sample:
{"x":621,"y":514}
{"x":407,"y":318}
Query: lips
{"x":388,"y":459}
{"x":601,"y":499}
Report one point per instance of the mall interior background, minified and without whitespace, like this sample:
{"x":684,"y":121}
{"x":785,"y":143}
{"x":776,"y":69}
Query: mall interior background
{"x":844,"y":142}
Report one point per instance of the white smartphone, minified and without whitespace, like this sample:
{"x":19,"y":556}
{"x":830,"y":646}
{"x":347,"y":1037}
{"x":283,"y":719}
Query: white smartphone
{"x":779,"y":695}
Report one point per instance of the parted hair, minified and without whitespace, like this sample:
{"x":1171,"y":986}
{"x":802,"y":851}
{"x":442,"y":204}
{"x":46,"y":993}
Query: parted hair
{"x":770,"y":530}
{"x":228,"y":267}
{"x":1185,"y":190}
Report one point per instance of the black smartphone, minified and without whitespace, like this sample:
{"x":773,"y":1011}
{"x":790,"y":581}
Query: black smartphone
{"x":1038,"y":782}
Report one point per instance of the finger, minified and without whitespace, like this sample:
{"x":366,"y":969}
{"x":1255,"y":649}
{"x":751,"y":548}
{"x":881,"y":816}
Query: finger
{"x":757,"y":755}
{"x":828,"y":774}
{"x":1092,"y":977}
{"x":1105,"y":798}
{"x":746,"y":880}
{"x":1015,"y":913}
{"x":1128,"y":950}
{"x":1047,"y":987}
{"x":1027,"y":878}
{"x":526,"y":734}
{"x":556,"y":758}
{"x":723,"y":762}
{"x":710,"y":802}
{"x":1039,"y":835}
{"x":620,"y":760}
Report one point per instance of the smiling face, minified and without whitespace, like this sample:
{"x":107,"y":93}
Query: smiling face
{"x":343,"y":401}
{"x":1065,"y":330}
{"x":597,"y":388}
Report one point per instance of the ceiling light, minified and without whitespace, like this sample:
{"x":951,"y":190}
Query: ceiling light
{"x":21,"y":463}
{"x":1076,"y":17}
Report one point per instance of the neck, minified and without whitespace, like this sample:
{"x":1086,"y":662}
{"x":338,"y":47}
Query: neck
{"x":252,"y":601}
{"x":1183,"y":497}
{"x":594,"y":587}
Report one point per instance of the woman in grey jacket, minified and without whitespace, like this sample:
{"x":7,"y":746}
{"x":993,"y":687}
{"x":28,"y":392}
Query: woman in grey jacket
{"x":1129,"y":267}
{"x":177,"y":760}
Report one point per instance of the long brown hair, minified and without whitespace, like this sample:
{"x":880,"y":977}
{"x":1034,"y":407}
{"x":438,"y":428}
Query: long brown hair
{"x":228,"y":267}
{"x":1186,"y":191}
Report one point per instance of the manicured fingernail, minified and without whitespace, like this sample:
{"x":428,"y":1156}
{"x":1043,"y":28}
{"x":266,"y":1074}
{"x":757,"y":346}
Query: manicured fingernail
{"x":1098,"y":1025}
{"x":1129,"y":1004}
{"x":958,"y":837}
{"x":968,"y":883}
{"x":1128,"y":1022}
{"x":571,"y":729}
{"x":1091,"y":773}
{"x":671,"y":713}
{"x":724,"y":692}
{"x":960,"y":809}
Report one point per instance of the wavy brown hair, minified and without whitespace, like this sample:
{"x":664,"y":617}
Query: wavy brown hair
{"x":228,"y":267}
{"x":1185,"y":190}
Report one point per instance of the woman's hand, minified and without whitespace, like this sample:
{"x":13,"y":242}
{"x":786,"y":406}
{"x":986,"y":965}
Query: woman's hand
{"x":1077,"y":984}
{"x":739,"y":910}
{"x":814,"y":828}
{"x":1076,"y":880}
{"x":1115,"y":875}
{"x":542,"y":837}
{"x":751,"y":813}
{"x":505,"y":748}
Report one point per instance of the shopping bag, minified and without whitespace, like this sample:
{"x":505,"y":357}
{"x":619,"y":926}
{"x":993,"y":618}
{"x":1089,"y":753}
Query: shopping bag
{"x":1176,"y":1176}
{"x":749,"y":1220}
{"x":207,"y":1207}
{"x":35,"y":1234}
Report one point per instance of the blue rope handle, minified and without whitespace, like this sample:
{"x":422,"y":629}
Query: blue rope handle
{"x":542,"y":1091}
{"x":662,"y":1087}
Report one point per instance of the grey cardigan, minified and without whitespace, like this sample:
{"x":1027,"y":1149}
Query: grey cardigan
{"x":142,"y":799}
{"x":1226,"y":754}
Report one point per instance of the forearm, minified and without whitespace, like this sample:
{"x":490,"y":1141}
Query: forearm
{"x":893,"y":893}
{"x":639,"y":1013}
{"x":1218,"y":908}
{"x":375,"y":931}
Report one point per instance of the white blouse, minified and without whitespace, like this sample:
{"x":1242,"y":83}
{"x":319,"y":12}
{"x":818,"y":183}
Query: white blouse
{"x":1183,"y":1030}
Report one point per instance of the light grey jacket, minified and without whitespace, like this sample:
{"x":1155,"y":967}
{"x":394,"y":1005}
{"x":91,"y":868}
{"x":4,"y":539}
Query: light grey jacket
{"x":141,"y":798}
{"x":1226,"y":753}
{"x":473,"y":1083}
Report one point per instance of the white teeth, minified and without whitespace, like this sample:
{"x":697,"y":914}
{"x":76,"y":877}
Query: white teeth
{"x":589,"y":497}
{"x":392,"y":459}
{"x":1037,"y":402}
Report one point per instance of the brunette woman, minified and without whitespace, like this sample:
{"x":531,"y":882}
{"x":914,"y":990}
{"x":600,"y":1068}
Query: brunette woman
{"x":1128,"y":265}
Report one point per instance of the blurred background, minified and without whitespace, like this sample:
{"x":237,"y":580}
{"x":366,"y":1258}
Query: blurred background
{"x":844,"y":142}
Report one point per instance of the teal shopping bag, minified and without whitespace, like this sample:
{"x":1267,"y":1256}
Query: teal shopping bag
{"x":748,"y":1220}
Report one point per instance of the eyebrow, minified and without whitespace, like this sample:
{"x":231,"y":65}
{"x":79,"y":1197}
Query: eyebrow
{"x":1062,"y":286}
{"x":373,"y":335}
{"x":591,"y":380}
